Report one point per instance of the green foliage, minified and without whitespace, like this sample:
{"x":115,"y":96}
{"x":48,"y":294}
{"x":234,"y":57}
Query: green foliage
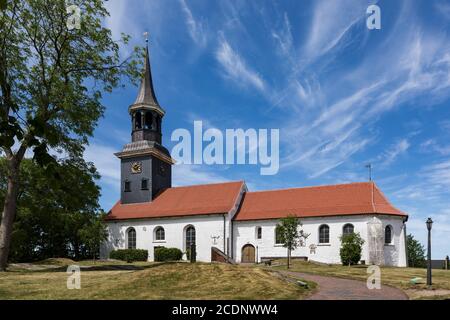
{"x":351,"y":248}
{"x":129,"y":255}
{"x":287,"y":232}
{"x":52,"y":210}
{"x":416,"y":253}
{"x":93,"y":234}
{"x":52,"y":79}
{"x":3,"y":4}
{"x":168,"y":254}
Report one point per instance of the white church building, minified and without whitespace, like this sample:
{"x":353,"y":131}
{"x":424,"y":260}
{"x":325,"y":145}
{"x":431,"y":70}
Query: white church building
{"x":226,"y":221}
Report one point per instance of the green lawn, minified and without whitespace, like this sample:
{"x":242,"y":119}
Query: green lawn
{"x":112,"y":280}
{"x":397,"y":277}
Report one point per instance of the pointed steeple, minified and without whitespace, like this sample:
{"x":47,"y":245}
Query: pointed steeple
{"x":146,"y":97}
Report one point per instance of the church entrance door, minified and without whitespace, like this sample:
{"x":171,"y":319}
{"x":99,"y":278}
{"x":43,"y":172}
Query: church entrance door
{"x":248,"y":254}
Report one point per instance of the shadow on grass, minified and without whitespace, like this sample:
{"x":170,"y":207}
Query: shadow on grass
{"x":104,"y":267}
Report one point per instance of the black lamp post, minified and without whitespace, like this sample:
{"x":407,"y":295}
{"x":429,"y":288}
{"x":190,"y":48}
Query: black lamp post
{"x":429,"y":225}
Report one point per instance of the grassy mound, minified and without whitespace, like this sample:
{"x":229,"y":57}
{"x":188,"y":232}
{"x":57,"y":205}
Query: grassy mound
{"x":153,"y":281}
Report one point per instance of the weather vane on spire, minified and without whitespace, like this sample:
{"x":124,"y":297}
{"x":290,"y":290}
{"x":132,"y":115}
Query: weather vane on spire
{"x":369,"y":166}
{"x":146,"y":36}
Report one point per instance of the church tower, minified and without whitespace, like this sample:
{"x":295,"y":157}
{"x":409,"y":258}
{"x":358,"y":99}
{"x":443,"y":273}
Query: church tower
{"x":146,"y":166}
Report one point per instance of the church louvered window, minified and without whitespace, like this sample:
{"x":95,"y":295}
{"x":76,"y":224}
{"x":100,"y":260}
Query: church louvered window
{"x":138,"y":120}
{"x":148,"y":120}
{"x":144,"y":184}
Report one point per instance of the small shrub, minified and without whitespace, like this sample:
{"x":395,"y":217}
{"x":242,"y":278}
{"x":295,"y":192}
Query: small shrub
{"x":168,"y":254}
{"x":351,"y":247}
{"x":129,"y":255}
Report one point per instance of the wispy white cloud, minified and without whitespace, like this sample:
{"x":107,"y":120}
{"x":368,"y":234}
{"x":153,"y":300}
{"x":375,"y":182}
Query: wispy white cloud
{"x":443,"y":8}
{"x":184,"y":175}
{"x":136,"y":17}
{"x":196,"y":28}
{"x":394,"y":151}
{"x":331,"y":20}
{"x":432,"y":146}
{"x":235,"y":68}
{"x":285,"y":40}
{"x":106,"y":163}
{"x":438,"y":174}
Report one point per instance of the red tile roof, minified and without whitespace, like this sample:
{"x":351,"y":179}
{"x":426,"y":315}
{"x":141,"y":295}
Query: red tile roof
{"x":182,"y":201}
{"x":344,"y":199}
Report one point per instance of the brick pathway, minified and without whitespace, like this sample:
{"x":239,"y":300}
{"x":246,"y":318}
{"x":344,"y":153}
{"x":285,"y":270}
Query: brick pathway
{"x":332,"y":288}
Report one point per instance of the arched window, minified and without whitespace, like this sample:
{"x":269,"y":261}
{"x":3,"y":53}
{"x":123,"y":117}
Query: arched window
{"x":388,"y":235}
{"x":131,"y":235}
{"x":160,"y":234}
{"x":278,"y":236}
{"x":324,"y":234}
{"x":348,"y":229}
{"x":258,"y":233}
{"x":138,"y":120}
{"x":148,"y":120}
{"x":190,"y":236}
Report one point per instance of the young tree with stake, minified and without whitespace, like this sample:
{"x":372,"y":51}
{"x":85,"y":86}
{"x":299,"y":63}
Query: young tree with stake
{"x":289,"y":235}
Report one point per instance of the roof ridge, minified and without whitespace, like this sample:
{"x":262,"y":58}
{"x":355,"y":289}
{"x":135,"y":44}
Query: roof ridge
{"x":381,"y":193}
{"x":311,"y":187}
{"x":208,"y":184}
{"x":373,"y":196}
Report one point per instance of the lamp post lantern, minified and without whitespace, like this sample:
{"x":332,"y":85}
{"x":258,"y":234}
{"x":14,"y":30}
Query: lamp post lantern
{"x":429,"y":225}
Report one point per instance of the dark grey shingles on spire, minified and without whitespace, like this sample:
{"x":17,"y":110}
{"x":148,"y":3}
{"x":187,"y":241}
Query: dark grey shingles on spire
{"x":146,"y":94}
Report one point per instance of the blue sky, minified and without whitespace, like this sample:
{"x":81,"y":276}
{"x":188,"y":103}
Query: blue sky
{"x":341,"y":95}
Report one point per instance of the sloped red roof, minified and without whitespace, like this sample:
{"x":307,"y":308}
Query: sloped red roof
{"x":332,"y":200}
{"x":182,"y":201}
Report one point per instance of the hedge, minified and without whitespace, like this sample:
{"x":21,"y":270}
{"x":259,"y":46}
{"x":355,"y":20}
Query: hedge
{"x":168,"y":254}
{"x":129,"y":255}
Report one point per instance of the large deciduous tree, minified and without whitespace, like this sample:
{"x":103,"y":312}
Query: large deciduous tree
{"x":52,"y":209}
{"x":93,"y":234}
{"x":52,"y":77}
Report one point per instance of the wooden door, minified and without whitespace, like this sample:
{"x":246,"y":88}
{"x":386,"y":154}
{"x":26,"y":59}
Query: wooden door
{"x":248,"y":254}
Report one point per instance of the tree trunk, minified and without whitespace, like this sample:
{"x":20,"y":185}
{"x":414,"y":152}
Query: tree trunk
{"x":8,"y":214}
{"x":288,"y":258}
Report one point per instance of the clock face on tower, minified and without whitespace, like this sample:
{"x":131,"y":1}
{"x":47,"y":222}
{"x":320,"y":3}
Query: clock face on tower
{"x":136,"y":167}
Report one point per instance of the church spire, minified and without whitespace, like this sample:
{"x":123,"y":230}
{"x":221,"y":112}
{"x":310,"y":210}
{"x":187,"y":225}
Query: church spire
{"x":146,"y":96}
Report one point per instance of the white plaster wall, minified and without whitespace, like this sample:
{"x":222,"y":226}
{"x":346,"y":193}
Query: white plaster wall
{"x":244,"y":232}
{"x":205,"y":228}
{"x":395,"y":253}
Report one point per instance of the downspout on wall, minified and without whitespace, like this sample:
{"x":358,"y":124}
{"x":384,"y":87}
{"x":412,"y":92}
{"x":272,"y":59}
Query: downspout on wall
{"x":224,"y":234}
{"x":406,"y":242}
